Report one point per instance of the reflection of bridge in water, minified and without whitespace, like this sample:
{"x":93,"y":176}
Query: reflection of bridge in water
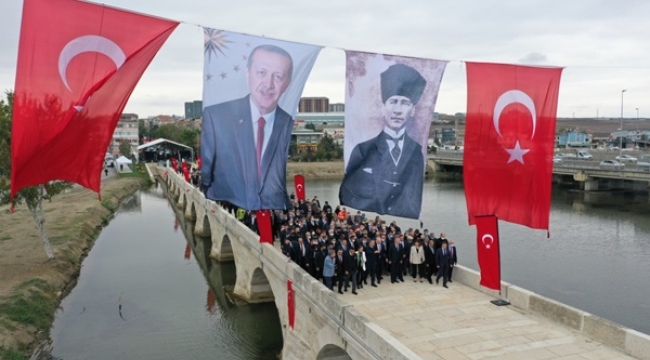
{"x":414,"y":322}
{"x":588,"y":174}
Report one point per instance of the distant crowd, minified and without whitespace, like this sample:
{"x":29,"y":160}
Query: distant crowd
{"x":348,"y":251}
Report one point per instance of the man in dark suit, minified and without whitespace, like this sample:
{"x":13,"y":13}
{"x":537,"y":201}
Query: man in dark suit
{"x":245,"y":142}
{"x":395,"y":258}
{"x":372,"y":254}
{"x":385,"y":174}
{"x":453,"y":258}
{"x":340,"y":270}
{"x":443,"y":260}
{"x":430,"y":260}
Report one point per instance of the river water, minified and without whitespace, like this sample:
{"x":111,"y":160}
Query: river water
{"x":148,"y":289}
{"x":597,"y":257}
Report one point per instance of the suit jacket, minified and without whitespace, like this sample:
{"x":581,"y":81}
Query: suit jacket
{"x":374,"y":183}
{"x":229,"y":169}
{"x":454,"y":256}
{"x":395,"y":255}
{"x":443,"y":260}
{"x":329,"y":266}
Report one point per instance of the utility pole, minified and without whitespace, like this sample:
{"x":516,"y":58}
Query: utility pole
{"x":620,"y":148}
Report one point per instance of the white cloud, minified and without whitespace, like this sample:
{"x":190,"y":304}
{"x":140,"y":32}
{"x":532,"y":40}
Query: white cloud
{"x":603,"y":44}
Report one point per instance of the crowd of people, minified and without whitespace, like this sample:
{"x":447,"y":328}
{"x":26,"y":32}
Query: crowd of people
{"x":349,"y":251}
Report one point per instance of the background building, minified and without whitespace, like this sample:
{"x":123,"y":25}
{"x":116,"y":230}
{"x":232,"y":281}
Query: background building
{"x":337,"y":107}
{"x":126,"y":129}
{"x":305,"y":139}
{"x":574,"y":139}
{"x":324,"y":118}
{"x":194,"y":109}
{"x":314,"y":105}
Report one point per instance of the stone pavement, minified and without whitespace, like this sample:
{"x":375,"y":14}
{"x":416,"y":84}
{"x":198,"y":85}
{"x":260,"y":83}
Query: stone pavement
{"x":461,"y":323}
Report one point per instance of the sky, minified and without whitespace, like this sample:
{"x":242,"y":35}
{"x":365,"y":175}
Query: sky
{"x":604,"y":45}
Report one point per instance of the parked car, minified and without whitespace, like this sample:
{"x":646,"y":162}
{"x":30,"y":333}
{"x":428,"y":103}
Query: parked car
{"x":644,"y":162}
{"x":584,"y":155}
{"x":567,"y":156}
{"x":626,"y":158}
{"x":612,"y":165}
{"x":557,"y":159}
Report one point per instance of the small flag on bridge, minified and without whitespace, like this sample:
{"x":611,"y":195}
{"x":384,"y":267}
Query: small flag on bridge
{"x":299,"y":182}
{"x":291,"y":304}
{"x":264,"y":226}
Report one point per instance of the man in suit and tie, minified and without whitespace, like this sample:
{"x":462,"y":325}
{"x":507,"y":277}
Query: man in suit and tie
{"x":453,"y":258}
{"x":443,"y":261}
{"x":385,"y":174}
{"x":245,"y":142}
{"x":395,"y":258}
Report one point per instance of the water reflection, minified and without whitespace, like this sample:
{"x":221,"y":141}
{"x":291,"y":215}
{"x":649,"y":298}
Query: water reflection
{"x":136,"y":299}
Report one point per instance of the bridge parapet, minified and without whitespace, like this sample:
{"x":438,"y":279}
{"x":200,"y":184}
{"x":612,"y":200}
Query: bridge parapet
{"x":326,"y":326}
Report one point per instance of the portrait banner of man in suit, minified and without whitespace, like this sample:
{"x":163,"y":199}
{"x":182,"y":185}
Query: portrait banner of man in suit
{"x":251,"y":90}
{"x":389,"y":106}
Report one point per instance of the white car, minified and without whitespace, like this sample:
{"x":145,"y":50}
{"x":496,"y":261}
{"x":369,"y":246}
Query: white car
{"x":557,"y":160}
{"x":626,"y":158}
{"x":612,"y":165}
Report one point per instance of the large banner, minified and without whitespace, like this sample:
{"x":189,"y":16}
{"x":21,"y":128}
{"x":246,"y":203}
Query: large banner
{"x":78,"y":63}
{"x":509,"y":139}
{"x":389,"y":105}
{"x":251,"y":90}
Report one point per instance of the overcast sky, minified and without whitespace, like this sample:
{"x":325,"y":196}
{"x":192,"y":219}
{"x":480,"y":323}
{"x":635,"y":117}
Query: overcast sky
{"x":604,"y":44}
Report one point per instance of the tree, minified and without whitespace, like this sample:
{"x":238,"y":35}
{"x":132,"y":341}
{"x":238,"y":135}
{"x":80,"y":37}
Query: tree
{"x":125,"y":148}
{"x":32,"y":196}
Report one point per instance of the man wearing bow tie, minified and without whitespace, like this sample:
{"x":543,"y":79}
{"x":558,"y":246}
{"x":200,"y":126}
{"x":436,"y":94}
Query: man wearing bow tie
{"x":385,"y":174}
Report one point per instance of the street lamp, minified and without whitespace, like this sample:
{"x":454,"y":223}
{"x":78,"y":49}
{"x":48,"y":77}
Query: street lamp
{"x":620,"y":148}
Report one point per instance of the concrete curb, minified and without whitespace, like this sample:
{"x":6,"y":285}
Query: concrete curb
{"x":629,"y":341}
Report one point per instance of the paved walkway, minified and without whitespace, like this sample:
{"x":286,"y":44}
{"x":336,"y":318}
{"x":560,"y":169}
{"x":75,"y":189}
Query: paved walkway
{"x":461,"y":323}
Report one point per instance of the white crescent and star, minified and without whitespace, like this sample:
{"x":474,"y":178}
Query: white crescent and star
{"x":88,"y":43}
{"x":514,"y":97}
{"x":487,"y":236}
{"x":299,"y":187}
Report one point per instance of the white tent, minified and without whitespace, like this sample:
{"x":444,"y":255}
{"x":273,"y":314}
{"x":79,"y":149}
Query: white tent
{"x":123,"y":164}
{"x":123,"y":160}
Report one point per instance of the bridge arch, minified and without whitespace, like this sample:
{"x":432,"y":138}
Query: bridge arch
{"x":260,"y":287}
{"x":332,"y":352}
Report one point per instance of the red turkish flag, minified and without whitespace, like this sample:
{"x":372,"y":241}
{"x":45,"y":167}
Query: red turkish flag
{"x":186,"y":173}
{"x":264,"y":226}
{"x":77,"y":66}
{"x":299,"y":183}
{"x":198,"y":162}
{"x":291,"y":304}
{"x":487,"y":244}
{"x":509,"y":139}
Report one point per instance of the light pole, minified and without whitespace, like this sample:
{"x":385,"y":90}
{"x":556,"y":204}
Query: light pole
{"x":620,"y":148}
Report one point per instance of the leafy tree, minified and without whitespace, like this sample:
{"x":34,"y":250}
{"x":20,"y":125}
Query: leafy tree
{"x":125,"y":148}
{"x":32,"y":196}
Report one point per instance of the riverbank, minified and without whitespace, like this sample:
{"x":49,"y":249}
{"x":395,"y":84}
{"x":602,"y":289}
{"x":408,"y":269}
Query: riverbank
{"x":31,"y":287}
{"x":327,"y":170}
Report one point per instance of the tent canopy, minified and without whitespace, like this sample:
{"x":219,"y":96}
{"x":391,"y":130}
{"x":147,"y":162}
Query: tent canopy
{"x":161,"y":141}
{"x":123,"y":160}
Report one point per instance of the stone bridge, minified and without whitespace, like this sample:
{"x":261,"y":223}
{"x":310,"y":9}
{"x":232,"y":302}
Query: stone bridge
{"x":326,"y":327}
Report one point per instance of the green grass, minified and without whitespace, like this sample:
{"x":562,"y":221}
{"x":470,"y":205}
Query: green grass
{"x":108,"y":205}
{"x":33,"y":303}
{"x":11,"y":354}
{"x":5,"y":238}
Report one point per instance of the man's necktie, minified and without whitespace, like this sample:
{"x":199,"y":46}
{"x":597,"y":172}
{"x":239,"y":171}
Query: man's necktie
{"x":260,"y":143}
{"x":396,"y":152}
